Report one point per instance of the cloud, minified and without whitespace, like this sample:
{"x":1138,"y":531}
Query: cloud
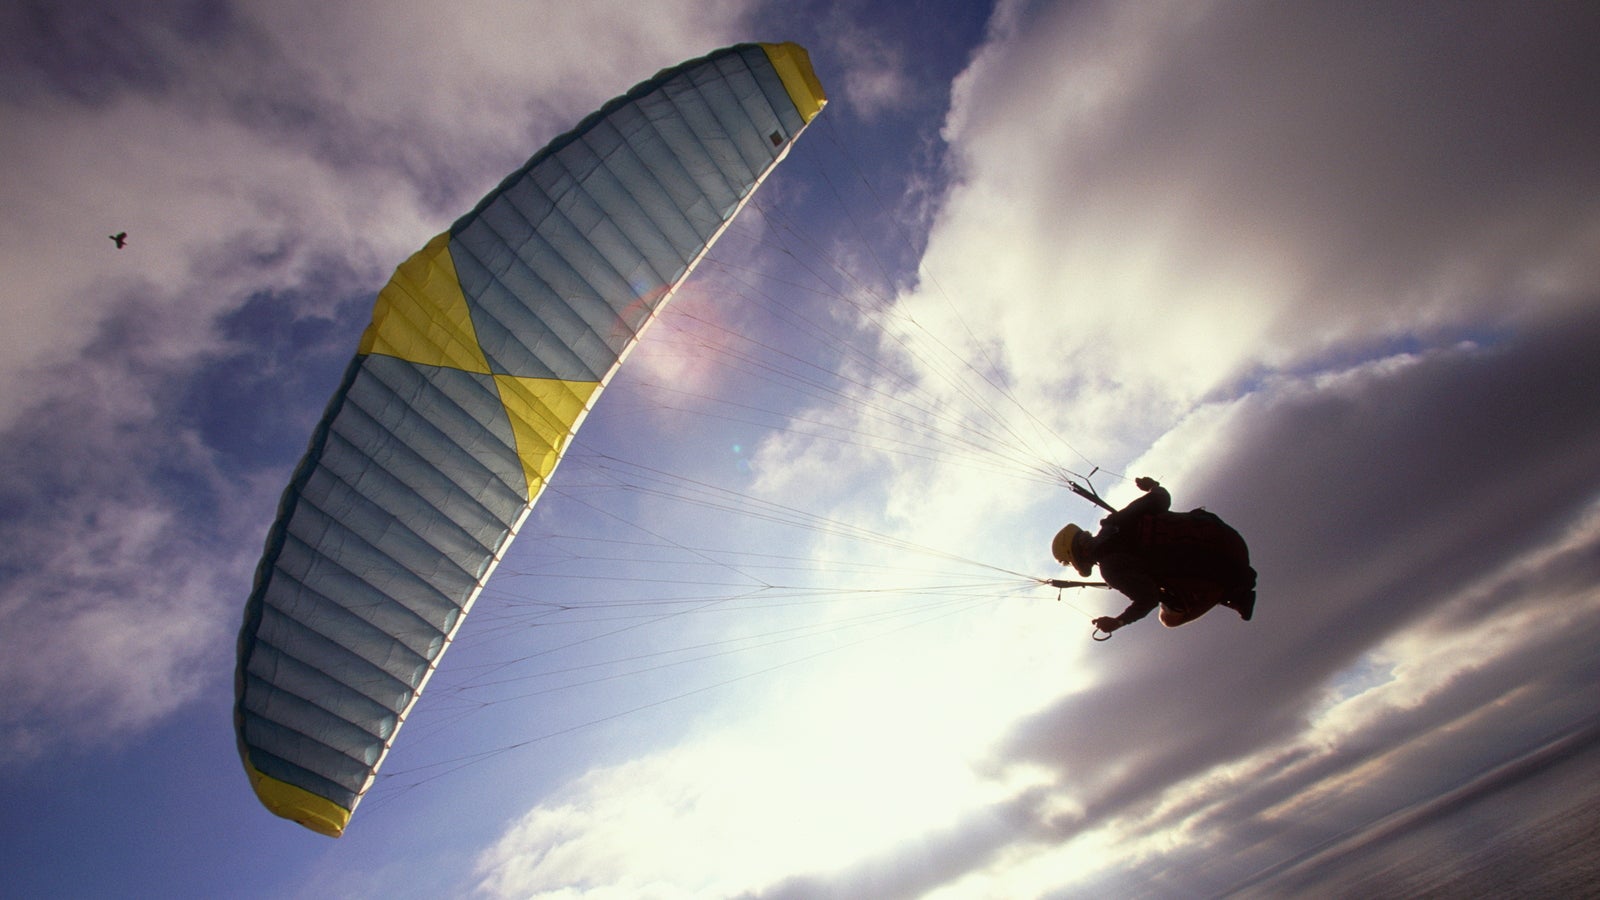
{"x":1164,"y":199}
{"x":1550,"y":787}
{"x":1328,"y":273}
{"x":1370,"y":499}
{"x":1345,"y":699}
{"x":111,"y":587}
{"x":731,"y":812}
{"x":1323,"y":273}
{"x":874,"y":78}
{"x":271,"y":163}
{"x":275,"y":134}
{"x":1265,"y":276}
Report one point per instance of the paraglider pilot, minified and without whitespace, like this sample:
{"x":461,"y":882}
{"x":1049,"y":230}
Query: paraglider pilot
{"x":1185,"y":563}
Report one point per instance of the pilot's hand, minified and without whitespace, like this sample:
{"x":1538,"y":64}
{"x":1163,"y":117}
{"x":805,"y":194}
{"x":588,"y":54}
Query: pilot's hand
{"x":1108,"y":624}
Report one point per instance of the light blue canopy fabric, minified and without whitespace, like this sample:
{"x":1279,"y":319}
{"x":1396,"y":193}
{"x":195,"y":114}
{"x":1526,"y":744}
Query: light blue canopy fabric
{"x":486,"y":350}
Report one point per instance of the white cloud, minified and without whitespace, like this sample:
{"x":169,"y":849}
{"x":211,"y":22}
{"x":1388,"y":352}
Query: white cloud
{"x":281,"y":155}
{"x":874,"y":78}
{"x":1203,"y":255}
{"x":893,"y":733}
{"x":1215,"y":242}
{"x":286,"y":134}
{"x":114,"y":608}
{"x":1159,"y":199}
{"x":1221,"y":242}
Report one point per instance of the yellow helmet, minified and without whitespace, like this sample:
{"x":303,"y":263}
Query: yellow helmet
{"x":1061,"y":547}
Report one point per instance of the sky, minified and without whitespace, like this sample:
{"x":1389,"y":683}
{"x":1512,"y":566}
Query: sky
{"x":775,"y":629}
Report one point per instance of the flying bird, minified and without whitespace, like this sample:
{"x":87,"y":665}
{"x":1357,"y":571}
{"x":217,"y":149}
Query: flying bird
{"x":121,"y":238}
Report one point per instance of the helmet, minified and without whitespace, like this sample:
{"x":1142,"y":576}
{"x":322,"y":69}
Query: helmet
{"x":1062,"y":546}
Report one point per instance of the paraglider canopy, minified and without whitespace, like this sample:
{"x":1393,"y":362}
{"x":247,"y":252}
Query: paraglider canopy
{"x":486,"y":350}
